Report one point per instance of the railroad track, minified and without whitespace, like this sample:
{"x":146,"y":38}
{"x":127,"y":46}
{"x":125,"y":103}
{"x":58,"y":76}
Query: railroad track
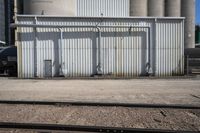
{"x":100,"y":104}
{"x":56,"y":127}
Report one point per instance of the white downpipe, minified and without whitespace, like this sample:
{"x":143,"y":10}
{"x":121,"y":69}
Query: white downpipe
{"x":99,"y":66}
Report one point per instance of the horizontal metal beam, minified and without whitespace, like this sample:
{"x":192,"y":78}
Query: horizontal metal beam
{"x":131,"y":105}
{"x":56,"y":127}
{"x":75,"y":26}
{"x":104,"y":17}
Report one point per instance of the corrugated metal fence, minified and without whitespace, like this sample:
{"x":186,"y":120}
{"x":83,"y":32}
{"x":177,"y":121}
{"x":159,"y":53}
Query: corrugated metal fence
{"x":80,"y":46}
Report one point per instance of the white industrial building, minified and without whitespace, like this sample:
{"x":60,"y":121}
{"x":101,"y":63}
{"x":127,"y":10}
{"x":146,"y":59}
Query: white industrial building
{"x":100,"y":37}
{"x":83,"y":47}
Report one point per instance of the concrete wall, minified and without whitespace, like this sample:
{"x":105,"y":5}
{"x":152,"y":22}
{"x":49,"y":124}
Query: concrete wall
{"x":173,"y":8}
{"x":115,"y":8}
{"x":188,"y":11}
{"x":138,"y":7}
{"x":156,"y":8}
{"x":50,"y":7}
{"x":106,"y":8}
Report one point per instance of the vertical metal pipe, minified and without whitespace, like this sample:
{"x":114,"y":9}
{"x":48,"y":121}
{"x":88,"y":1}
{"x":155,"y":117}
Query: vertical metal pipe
{"x":149,"y":51}
{"x":15,"y":20}
{"x":15,"y":8}
{"x":99,"y":67}
{"x":60,"y":48}
{"x":35,"y":48}
{"x":148,"y":64}
{"x":187,"y":64}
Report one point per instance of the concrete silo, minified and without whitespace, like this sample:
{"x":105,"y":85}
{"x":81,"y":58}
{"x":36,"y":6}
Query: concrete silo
{"x":173,"y":8}
{"x":50,"y":7}
{"x":156,"y":8}
{"x":138,"y":7}
{"x":188,"y":11}
{"x":18,"y":7}
{"x":2,"y":21}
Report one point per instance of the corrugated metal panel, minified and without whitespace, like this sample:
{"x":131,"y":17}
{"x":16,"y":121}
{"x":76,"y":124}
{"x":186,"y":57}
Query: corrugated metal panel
{"x":26,"y":50}
{"x":27,"y":53}
{"x":124,"y":52}
{"x":170,"y":48}
{"x":114,"y":8}
{"x":78,"y":52}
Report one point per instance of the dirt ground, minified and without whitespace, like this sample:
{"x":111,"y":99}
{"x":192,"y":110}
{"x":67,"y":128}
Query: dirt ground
{"x":163,"y":91}
{"x":158,"y":91}
{"x":103,"y":116}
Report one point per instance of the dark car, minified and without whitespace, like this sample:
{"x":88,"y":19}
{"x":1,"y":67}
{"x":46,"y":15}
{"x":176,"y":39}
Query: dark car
{"x":8,"y":60}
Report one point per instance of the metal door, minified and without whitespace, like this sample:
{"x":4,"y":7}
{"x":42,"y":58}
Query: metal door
{"x":124,"y":53}
{"x":47,"y":68}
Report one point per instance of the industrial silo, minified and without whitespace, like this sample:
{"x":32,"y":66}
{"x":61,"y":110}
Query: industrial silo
{"x":18,"y":7}
{"x":50,"y":7}
{"x":156,"y":8}
{"x":138,"y":7}
{"x":173,"y":8}
{"x":2,"y":21}
{"x":188,"y":11}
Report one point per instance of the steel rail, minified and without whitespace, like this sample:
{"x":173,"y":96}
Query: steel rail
{"x":56,"y":127}
{"x":100,"y":104}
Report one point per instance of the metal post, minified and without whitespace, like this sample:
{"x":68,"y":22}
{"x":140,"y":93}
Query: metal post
{"x":187,"y":64}
{"x":149,"y":51}
{"x":99,"y":66}
{"x":35,"y":48}
{"x":7,"y":6}
{"x":15,"y":20}
{"x":61,"y":43}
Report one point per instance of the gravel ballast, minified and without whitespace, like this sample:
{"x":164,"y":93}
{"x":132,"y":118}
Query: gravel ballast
{"x":170,"y":119}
